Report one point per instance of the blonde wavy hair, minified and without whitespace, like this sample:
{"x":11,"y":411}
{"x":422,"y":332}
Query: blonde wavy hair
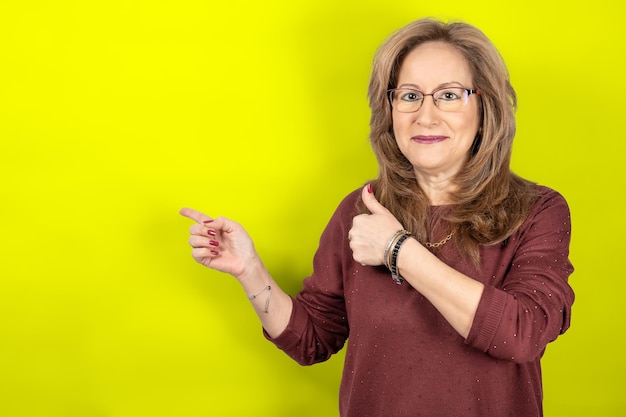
{"x":490,"y":202}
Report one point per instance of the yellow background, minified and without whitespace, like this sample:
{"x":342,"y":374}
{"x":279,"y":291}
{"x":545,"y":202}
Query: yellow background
{"x":114,"y":114}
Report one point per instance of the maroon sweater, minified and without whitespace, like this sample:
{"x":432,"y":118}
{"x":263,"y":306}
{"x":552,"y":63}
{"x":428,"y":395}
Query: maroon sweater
{"x":403,"y":358}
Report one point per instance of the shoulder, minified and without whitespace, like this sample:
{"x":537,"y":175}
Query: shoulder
{"x":549,"y":198}
{"x":348,"y":205}
{"x":550,"y":211}
{"x":347,"y":208}
{"x":340,"y":222}
{"x":350,"y":201}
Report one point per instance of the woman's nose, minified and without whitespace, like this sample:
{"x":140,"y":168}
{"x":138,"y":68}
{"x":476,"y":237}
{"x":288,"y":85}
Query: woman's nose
{"x":428,"y":113}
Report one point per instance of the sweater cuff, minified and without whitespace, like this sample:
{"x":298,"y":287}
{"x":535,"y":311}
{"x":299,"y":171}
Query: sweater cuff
{"x":289,"y":338}
{"x":487,"y":319}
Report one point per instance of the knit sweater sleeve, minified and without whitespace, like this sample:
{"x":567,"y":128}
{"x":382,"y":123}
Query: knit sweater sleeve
{"x":318,"y":326}
{"x":531,"y":307}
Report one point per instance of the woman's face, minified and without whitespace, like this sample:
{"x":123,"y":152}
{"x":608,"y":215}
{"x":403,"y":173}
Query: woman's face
{"x":436,"y":142}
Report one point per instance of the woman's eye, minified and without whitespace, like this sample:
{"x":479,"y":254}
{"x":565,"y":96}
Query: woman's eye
{"x":448,"y":95}
{"x":411,"y":97}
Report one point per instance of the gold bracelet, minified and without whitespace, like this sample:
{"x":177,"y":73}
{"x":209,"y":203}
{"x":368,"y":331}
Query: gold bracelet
{"x":390,"y":243}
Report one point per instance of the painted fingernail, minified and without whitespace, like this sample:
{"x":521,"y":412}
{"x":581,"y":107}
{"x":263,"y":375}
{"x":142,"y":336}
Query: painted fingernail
{"x":214,"y":253}
{"x":211,"y":232}
{"x":208,"y":221}
{"x":214,"y":243}
{"x":369,"y":188}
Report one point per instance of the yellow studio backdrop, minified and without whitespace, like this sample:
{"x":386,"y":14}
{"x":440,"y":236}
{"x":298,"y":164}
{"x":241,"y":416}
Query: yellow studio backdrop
{"x":117,"y":113}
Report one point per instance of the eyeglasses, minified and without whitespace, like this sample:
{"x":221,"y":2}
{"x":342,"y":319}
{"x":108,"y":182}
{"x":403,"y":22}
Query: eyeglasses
{"x":408,"y":100}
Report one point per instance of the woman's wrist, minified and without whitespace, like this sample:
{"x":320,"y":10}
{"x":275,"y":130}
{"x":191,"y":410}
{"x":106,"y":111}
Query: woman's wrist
{"x":390,"y":256}
{"x":253,"y":276}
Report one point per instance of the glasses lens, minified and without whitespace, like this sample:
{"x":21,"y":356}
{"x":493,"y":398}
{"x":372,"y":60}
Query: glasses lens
{"x":405,"y":100}
{"x":446,"y":99}
{"x":450,"y":99}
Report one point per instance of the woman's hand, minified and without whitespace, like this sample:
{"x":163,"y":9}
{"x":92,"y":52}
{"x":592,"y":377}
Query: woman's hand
{"x":220,"y":244}
{"x":371,"y":232}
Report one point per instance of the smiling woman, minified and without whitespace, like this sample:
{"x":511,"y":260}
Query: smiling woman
{"x":117,"y":113}
{"x":446,"y":276}
{"x":436,"y":137}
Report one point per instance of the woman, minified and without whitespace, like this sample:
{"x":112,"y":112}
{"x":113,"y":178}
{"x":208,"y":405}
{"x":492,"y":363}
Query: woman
{"x":448,"y":273}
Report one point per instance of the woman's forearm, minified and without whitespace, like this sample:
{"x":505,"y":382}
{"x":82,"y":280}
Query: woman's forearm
{"x":271,"y":303}
{"x":454,"y":295}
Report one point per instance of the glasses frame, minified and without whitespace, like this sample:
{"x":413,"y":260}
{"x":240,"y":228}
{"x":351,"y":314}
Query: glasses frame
{"x":469,"y":92}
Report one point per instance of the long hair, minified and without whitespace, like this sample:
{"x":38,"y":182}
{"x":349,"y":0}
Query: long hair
{"x":489,"y":202}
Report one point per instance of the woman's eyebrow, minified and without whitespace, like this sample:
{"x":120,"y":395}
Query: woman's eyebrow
{"x":413,"y":86}
{"x":442,"y":85}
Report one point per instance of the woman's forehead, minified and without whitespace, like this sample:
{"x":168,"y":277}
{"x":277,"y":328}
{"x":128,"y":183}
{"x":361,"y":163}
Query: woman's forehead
{"x":434,"y":64}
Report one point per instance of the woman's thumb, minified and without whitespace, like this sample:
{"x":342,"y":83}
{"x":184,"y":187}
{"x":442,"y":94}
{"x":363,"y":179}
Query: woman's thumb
{"x":370,"y":201}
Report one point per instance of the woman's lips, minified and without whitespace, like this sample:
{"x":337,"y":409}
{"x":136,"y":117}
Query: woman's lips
{"x":428,"y":139}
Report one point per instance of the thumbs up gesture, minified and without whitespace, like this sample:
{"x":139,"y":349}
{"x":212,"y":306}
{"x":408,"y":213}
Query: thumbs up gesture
{"x":371,"y":232}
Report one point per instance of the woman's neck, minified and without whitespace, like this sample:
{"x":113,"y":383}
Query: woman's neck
{"x":437,"y":188}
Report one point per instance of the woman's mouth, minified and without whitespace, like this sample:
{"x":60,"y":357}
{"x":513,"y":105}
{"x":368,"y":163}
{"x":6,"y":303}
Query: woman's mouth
{"x":428,"y":139}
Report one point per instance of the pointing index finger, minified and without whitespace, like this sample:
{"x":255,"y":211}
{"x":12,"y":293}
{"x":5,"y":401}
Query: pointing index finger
{"x":195,"y":215}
